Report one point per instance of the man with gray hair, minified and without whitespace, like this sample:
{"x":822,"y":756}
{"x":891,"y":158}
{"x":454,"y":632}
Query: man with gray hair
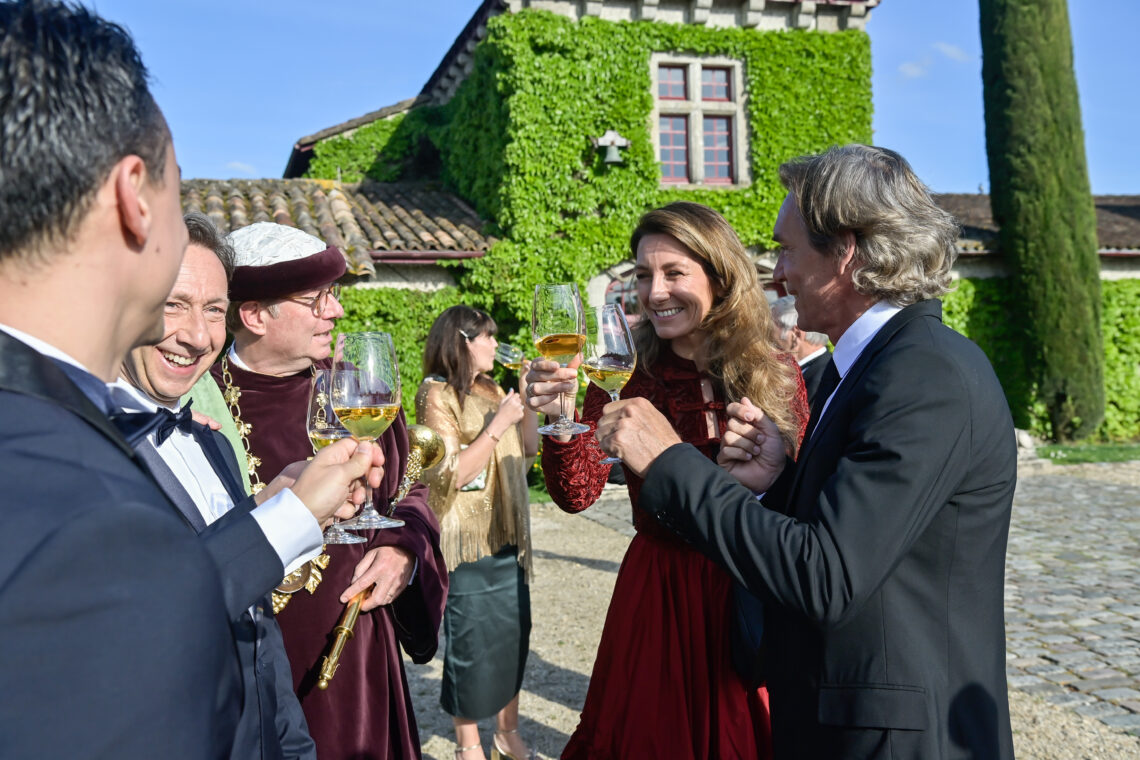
{"x":809,"y":349}
{"x":879,"y":553}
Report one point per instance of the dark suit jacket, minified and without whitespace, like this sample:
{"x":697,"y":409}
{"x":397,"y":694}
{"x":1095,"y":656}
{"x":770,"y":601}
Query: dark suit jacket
{"x":272,"y":725}
{"x":813,"y":374}
{"x":113,"y":633}
{"x":880,"y":556}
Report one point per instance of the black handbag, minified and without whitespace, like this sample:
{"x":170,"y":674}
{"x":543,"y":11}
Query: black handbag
{"x":746,"y":642}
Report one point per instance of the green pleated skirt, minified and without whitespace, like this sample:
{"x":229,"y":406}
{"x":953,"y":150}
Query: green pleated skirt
{"x":486,"y":629}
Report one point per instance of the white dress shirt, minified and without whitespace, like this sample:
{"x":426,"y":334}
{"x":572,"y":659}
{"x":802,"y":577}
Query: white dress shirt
{"x":854,"y":340}
{"x":814,"y":354}
{"x":288,"y":525}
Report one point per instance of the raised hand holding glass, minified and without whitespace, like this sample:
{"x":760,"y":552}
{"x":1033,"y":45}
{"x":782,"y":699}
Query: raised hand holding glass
{"x":559,"y":330}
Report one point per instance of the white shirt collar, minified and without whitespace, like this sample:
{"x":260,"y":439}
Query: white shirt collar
{"x":235,"y":359}
{"x":42,"y":347}
{"x":860,"y":333}
{"x":814,"y":354}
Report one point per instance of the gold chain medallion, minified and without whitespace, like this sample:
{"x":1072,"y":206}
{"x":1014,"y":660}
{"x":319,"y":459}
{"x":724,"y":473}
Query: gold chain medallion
{"x":308,"y":576}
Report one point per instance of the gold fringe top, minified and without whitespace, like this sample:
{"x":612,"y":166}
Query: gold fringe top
{"x":476,"y":524}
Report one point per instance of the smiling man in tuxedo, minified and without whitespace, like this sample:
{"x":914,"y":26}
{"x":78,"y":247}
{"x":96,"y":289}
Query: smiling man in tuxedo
{"x":879,"y":552}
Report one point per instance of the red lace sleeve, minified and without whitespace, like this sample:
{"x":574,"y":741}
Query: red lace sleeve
{"x":573,"y":470}
{"x":800,"y":404}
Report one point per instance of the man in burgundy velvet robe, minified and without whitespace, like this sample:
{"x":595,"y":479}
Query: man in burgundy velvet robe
{"x":282,"y":311}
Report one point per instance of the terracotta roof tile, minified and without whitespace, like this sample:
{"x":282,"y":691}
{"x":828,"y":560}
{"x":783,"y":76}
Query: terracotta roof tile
{"x":397,"y":222}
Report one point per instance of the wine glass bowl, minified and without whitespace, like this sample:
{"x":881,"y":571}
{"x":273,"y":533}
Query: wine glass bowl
{"x":324,"y":428}
{"x":609,"y":356}
{"x":559,"y":331}
{"x":366,"y":400}
{"x":509,"y":356}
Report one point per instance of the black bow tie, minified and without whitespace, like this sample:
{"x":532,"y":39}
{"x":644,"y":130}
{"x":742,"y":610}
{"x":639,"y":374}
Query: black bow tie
{"x":136,"y":426}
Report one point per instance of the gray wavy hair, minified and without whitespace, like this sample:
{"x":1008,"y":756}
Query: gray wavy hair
{"x":904,"y":243}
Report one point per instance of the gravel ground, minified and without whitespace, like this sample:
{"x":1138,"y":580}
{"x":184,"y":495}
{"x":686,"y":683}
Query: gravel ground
{"x":576,"y":561}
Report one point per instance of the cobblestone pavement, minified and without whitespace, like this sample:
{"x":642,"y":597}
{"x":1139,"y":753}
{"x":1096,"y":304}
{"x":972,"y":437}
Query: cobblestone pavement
{"x":1072,"y":586}
{"x":1073,"y":574}
{"x":1073,"y":590}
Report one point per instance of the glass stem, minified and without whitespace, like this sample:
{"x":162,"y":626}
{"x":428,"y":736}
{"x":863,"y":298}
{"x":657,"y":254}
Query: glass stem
{"x":562,"y":407}
{"x":614,"y":396}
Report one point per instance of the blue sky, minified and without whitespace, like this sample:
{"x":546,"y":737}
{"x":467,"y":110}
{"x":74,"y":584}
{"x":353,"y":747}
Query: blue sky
{"x":241,"y":80}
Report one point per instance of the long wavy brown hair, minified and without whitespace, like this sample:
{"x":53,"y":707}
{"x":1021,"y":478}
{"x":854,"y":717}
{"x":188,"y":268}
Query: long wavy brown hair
{"x":741,"y":354}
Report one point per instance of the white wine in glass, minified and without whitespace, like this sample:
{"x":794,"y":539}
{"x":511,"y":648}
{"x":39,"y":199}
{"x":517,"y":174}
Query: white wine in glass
{"x":325,"y":428}
{"x":509,"y":356}
{"x":366,"y":399}
{"x":559,"y":330}
{"x":609,"y":357}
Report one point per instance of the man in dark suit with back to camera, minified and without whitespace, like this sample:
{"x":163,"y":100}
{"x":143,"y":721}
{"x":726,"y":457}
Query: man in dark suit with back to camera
{"x":113,"y":622}
{"x":879,"y":553}
{"x":808,"y":348}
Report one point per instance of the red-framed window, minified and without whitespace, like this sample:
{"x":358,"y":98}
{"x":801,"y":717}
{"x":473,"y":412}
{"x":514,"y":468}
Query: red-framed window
{"x":672,"y":83}
{"x":674,"y":148}
{"x":714,"y":85}
{"x":718,"y":149}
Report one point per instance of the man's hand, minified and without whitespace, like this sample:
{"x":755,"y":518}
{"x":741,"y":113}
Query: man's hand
{"x":332,"y":478}
{"x":389,"y":567}
{"x":752,"y":450}
{"x":635,"y":431}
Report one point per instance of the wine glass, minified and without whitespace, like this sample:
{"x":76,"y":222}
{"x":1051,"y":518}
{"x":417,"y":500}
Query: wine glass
{"x":509,"y":356}
{"x":325,"y":428}
{"x":559,"y":331}
{"x":609,"y":356}
{"x":366,"y":399}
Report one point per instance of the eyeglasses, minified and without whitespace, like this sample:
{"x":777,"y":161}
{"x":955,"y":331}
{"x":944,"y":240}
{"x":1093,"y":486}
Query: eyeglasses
{"x":318,"y":303}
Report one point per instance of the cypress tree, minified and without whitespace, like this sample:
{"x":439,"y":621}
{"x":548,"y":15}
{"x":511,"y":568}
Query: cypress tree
{"x":1041,"y":200}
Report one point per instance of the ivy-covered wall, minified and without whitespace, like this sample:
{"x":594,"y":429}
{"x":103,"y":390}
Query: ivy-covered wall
{"x":987,"y":311}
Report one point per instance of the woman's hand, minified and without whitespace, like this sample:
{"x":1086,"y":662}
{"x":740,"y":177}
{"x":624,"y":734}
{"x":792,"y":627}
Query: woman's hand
{"x":511,"y":411}
{"x":545,"y":381}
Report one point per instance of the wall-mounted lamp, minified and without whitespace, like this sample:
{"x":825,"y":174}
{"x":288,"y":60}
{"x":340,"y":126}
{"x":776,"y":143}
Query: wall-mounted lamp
{"x":611,"y":141}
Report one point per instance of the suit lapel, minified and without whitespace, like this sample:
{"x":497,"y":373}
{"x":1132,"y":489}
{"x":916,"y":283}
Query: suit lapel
{"x":24,"y":370}
{"x":851,"y":380}
{"x":170,"y":486}
{"x":224,"y":467}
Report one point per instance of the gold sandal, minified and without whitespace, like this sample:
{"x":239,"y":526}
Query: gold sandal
{"x":498,"y":753}
{"x":460,"y":750}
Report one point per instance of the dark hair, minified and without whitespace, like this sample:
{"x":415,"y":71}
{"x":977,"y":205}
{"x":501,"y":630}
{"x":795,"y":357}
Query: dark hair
{"x":446,"y":354}
{"x":73,"y":102}
{"x":204,"y":233}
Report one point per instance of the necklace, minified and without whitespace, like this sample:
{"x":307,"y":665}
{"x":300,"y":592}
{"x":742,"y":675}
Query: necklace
{"x":309,"y":575}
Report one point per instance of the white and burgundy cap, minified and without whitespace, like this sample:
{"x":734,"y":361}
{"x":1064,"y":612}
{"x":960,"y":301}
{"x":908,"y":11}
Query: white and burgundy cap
{"x":274,"y":260}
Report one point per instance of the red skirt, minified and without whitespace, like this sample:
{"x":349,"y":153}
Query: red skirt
{"x":663,"y":684}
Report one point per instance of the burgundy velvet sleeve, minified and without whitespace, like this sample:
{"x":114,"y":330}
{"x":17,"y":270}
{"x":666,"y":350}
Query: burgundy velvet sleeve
{"x":418,"y":611}
{"x":573,"y":470}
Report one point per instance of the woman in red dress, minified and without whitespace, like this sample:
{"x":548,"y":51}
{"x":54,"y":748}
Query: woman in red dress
{"x":662,"y":684}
